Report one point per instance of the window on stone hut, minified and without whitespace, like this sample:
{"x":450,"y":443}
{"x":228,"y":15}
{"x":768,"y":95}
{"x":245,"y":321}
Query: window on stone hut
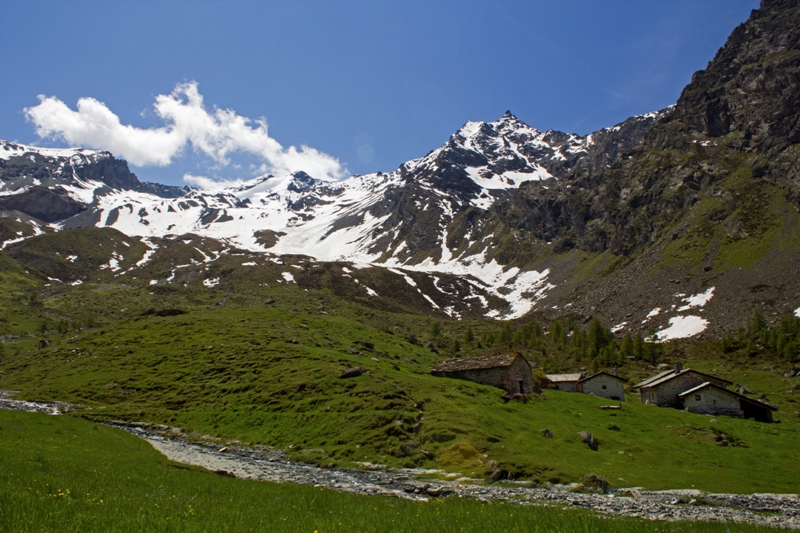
{"x":604,"y":386}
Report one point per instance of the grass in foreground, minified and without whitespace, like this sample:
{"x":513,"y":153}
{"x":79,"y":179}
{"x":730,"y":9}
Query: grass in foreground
{"x":64,"y":474}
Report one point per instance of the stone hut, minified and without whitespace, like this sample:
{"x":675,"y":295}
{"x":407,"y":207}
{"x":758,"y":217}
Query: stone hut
{"x":708,"y":398}
{"x":603,"y":384}
{"x":510,"y":372}
{"x":664,"y":389}
{"x":565,"y":382}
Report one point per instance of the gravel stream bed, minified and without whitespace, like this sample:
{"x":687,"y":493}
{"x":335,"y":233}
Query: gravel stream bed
{"x":264,"y":463}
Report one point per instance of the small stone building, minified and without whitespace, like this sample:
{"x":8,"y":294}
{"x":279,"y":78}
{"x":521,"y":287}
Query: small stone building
{"x":510,"y":372}
{"x":664,"y":391}
{"x":603,"y":384}
{"x":708,"y":398}
{"x":565,"y":382}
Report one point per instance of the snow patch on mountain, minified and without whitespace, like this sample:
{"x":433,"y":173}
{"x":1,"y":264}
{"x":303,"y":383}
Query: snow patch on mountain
{"x":697,"y":300}
{"x":681,"y":327}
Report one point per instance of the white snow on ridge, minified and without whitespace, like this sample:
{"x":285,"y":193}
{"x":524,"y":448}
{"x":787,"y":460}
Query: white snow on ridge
{"x":9,"y":150}
{"x":681,"y":327}
{"x":797,"y":312}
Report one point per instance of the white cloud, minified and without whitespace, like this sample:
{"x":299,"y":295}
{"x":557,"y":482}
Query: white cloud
{"x":203,"y":182}
{"x":216,"y":133}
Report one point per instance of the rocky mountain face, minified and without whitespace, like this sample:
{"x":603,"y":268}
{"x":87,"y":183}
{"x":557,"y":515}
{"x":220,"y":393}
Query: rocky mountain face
{"x":682,"y":221}
{"x":56,"y":184}
{"x":750,"y":93}
{"x":421,"y":217}
{"x":694,"y":206}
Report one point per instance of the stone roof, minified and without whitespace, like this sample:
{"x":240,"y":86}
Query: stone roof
{"x":587,"y":378}
{"x":673,"y":375}
{"x":475,"y":363}
{"x":727,"y":391}
{"x":564,"y":378}
{"x":654,"y":378}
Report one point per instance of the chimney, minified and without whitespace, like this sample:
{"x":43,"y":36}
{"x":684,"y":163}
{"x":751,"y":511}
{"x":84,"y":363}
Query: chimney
{"x":678,"y":367}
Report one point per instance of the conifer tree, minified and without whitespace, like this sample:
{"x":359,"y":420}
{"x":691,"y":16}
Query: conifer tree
{"x":505,"y":334}
{"x":638,"y":345}
{"x":469,"y":336}
{"x":626,"y":350}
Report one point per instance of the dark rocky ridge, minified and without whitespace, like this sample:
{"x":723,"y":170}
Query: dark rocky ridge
{"x":42,"y":178}
{"x":750,"y":94}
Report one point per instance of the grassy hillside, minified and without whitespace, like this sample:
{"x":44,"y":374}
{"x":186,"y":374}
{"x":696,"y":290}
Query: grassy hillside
{"x":18,"y":298}
{"x":63,"y":474}
{"x":228,"y":347}
{"x":269,"y":373}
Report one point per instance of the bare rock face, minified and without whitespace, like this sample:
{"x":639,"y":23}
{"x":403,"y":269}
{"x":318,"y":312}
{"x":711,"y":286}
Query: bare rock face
{"x":42,"y":203}
{"x":753,"y":84}
{"x":752,"y":88}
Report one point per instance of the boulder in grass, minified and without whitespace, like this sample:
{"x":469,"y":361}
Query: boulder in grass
{"x":352,"y":372}
{"x":499,"y":474}
{"x":590,"y":440}
{"x":595,"y":482}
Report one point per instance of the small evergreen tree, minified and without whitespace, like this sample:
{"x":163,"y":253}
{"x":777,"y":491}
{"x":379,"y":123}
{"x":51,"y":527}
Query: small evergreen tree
{"x":505,"y":333}
{"x":469,"y":336}
{"x":436,"y":330}
{"x":626,"y":350}
{"x":638,"y":345}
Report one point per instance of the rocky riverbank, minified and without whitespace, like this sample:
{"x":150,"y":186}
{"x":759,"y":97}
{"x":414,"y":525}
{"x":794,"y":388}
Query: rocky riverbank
{"x":263,"y":463}
{"x":267,"y":464}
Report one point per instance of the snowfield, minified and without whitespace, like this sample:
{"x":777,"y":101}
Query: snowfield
{"x":682,"y":327}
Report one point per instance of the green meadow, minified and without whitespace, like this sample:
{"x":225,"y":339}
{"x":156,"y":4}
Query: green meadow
{"x":269,"y":374}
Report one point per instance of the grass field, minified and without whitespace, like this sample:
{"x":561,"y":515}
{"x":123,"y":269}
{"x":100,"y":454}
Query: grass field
{"x":61,"y":474}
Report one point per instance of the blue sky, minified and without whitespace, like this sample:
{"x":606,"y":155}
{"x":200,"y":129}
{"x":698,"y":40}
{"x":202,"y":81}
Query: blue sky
{"x":366,"y":85}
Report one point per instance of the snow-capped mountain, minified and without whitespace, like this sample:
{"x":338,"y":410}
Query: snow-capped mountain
{"x":683,"y":221}
{"x":424,"y":216}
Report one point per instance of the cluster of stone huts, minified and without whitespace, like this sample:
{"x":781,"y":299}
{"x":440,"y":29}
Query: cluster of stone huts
{"x":687,"y":389}
{"x":513,"y":373}
{"x":698,"y":392}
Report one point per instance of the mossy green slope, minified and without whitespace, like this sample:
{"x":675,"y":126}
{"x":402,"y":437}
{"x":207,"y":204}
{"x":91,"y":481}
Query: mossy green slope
{"x":270,"y":374}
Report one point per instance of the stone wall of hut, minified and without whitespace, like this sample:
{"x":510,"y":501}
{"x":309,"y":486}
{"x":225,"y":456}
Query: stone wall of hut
{"x":604,"y":386}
